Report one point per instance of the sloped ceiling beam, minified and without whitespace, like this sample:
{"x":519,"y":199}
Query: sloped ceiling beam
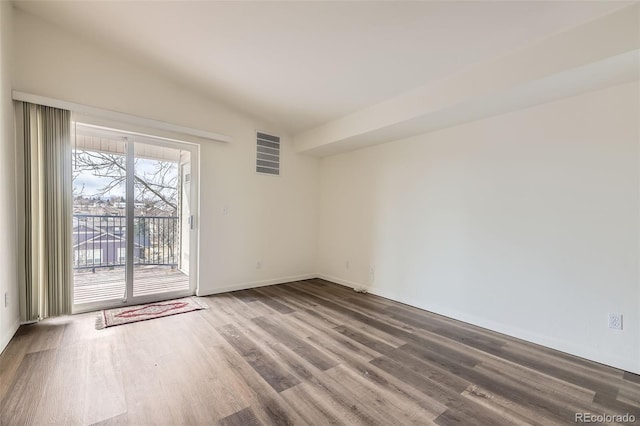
{"x":595,"y":55}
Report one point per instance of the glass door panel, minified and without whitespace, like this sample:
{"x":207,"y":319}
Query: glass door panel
{"x":161,"y":217}
{"x":99,"y":217}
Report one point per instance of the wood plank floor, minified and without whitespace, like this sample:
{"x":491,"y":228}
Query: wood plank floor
{"x":109,"y":284}
{"x":309,"y":352}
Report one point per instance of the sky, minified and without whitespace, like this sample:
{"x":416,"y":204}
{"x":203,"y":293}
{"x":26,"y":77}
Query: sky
{"x":92,"y":185}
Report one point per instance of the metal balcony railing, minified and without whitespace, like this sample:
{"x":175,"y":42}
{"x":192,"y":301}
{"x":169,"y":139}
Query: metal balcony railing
{"x":101,"y":241}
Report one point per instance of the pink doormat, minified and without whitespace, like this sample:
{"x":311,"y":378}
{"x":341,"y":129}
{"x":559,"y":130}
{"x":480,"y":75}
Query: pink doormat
{"x":129,"y":314}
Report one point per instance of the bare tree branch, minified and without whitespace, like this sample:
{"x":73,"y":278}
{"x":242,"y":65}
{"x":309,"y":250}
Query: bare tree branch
{"x":158,"y":187}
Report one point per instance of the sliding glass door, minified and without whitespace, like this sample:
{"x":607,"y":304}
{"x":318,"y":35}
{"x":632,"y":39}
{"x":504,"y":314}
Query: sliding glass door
{"x":133,"y":227}
{"x":158,"y":246}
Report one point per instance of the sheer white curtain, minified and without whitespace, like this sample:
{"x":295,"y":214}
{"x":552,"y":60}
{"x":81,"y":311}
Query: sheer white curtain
{"x":44,"y":143}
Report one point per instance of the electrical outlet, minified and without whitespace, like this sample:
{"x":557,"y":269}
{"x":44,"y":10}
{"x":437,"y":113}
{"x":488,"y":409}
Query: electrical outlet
{"x":615,"y":321}
{"x":258,"y":265}
{"x":346,"y":264}
{"x":6,"y":299}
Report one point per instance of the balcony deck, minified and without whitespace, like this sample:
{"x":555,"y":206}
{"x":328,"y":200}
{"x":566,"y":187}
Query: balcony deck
{"x":109,"y":284}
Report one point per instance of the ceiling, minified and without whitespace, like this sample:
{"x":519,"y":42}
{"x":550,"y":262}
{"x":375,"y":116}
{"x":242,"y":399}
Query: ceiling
{"x":301,"y":64}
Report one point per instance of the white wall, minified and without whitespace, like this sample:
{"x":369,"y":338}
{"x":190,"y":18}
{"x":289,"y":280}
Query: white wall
{"x":9,"y":316}
{"x":524,"y":223}
{"x":270,"y":219}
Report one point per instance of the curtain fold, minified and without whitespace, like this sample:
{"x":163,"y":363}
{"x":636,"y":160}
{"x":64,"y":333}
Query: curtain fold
{"x":46,"y":135}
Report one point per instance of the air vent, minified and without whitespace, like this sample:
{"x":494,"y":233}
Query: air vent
{"x":268,"y":154}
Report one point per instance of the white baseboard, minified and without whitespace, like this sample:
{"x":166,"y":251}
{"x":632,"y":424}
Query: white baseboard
{"x":340,"y":281}
{"x":561,"y":345}
{"x":255,"y":284}
{"x":546,"y":341}
{"x":570,"y":348}
{"x":11,"y":332}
